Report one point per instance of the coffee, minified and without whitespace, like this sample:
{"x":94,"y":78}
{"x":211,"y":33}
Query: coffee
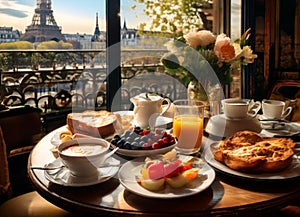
{"x":82,"y":150}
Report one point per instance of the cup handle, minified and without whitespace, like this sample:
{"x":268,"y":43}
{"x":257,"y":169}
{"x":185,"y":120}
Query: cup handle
{"x":254,"y":109}
{"x":286,"y":112}
{"x":166,"y":107}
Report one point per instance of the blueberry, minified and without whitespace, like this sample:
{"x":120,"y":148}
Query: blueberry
{"x":127,"y":145}
{"x":144,"y":138}
{"x":137,"y":130}
{"x":129,"y":139}
{"x":127,"y":133}
{"x":120,"y":143}
{"x":137,"y":139}
{"x":117,"y":137}
{"x":135,"y":146}
{"x":114,"y":141}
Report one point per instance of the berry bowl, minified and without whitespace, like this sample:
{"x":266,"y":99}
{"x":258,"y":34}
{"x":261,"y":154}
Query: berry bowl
{"x":140,"y":142}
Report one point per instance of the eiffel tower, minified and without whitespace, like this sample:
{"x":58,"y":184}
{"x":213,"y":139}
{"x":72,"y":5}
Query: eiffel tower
{"x":43,"y":26}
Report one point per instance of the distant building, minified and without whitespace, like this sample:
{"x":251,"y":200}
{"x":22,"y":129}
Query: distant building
{"x":129,"y":37}
{"x":85,"y":41}
{"x":7,"y":34}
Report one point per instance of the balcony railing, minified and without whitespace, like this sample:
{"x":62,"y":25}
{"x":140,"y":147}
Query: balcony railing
{"x":61,"y":81}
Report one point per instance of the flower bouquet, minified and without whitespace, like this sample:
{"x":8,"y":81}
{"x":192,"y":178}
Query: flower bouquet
{"x":205,"y":58}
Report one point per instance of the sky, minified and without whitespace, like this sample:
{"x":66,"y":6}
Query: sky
{"x":73,"y":16}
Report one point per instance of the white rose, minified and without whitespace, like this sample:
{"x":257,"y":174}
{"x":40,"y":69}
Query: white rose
{"x":248,"y":55}
{"x":201,"y":38}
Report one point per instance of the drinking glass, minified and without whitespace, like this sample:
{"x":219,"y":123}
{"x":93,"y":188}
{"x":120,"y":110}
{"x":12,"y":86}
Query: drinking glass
{"x":188,"y":125}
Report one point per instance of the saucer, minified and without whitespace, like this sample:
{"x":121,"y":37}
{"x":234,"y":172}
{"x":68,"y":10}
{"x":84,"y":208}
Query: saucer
{"x":289,"y":129}
{"x":273,"y":124}
{"x":62,"y":176}
{"x":224,"y":127}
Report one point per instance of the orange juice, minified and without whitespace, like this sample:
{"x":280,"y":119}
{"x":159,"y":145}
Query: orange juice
{"x":189,"y":130}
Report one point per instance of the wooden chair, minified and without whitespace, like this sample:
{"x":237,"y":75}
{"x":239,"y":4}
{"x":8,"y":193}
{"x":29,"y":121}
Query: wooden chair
{"x":22,"y":129}
{"x":5,"y":185}
{"x":29,"y":204}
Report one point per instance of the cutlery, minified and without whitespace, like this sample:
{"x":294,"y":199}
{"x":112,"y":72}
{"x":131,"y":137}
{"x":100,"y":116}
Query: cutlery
{"x":111,"y":153}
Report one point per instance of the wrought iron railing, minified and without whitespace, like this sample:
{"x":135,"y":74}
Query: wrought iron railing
{"x":76,"y":79}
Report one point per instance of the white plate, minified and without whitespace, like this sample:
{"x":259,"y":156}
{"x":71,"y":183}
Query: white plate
{"x":293,"y":171}
{"x":63,"y":176}
{"x":131,"y":169}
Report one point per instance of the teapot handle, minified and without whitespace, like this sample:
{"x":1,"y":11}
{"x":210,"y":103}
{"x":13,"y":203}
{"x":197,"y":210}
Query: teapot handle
{"x":167,"y":106}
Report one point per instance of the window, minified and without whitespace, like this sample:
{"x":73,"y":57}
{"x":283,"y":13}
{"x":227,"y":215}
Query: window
{"x":116,"y":29}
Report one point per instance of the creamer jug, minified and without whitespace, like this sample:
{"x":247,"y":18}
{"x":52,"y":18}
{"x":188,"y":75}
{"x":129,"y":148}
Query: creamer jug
{"x":147,"y":107}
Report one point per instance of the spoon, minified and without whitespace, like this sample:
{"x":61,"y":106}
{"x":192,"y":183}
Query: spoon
{"x":62,"y":166}
{"x":111,"y":153}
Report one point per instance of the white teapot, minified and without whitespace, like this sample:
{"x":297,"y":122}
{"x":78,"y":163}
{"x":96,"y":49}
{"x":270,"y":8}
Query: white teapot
{"x":147,"y":107}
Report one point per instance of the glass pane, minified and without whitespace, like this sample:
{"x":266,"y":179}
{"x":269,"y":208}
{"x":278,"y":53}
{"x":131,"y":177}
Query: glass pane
{"x":144,"y":34}
{"x":58,"y":47}
{"x":235,"y":19}
{"x":235,"y":29}
{"x":141,"y":51}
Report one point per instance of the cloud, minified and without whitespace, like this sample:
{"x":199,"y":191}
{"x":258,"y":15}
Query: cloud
{"x":25,"y":2}
{"x":16,"y":8}
{"x":13,"y":12}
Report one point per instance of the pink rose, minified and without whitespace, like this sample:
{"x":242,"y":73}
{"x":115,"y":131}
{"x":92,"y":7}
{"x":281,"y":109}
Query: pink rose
{"x":223,"y":48}
{"x":201,"y":38}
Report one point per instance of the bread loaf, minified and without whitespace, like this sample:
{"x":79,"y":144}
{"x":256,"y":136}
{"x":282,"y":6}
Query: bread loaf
{"x":92,"y":123}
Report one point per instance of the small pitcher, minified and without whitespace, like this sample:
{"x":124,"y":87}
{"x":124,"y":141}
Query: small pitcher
{"x":147,"y":107}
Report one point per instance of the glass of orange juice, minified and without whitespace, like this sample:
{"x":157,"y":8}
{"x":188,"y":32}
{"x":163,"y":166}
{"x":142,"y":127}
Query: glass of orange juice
{"x":188,"y":125}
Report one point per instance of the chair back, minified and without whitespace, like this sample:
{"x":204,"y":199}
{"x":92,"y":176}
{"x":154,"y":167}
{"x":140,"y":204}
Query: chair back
{"x":5,"y":185}
{"x":21,"y":126}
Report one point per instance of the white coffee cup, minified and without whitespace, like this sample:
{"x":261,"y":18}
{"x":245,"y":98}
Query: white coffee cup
{"x":237,"y":108}
{"x":275,"y":109}
{"x":83,"y":156}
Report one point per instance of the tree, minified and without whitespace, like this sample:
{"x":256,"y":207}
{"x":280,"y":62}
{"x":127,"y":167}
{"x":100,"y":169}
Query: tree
{"x":54,"y":45}
{"x":15,"y":59}
{"x":175,"y":15}
{"x":18,"y":45}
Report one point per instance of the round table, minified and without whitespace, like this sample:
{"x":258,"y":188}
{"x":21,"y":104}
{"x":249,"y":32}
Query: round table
{"x":227,"y":196}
